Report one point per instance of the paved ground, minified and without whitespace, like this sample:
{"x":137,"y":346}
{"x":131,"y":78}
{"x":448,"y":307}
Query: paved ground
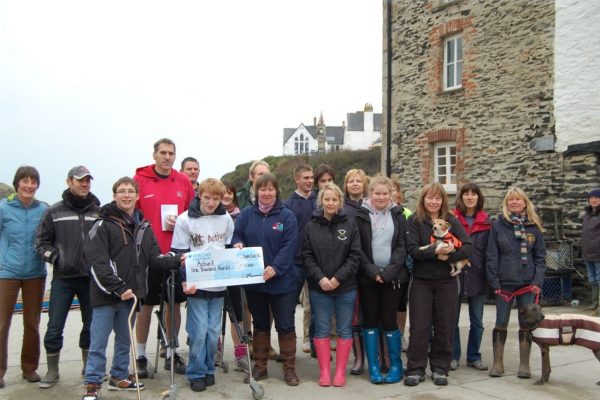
{"x":575,"y":372}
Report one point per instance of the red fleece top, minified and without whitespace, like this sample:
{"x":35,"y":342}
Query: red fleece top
{"x":155,"y":191}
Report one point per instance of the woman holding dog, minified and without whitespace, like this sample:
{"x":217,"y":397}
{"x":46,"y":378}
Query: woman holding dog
{"x":382,"y":272}
{"x":433,"y":296}
{"x":515,"y":264}
{"x":473,"y":281}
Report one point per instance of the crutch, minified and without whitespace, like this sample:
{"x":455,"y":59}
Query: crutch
{"x":221,"y":360}
{"x":257,"y":390}
{"x":161,"y":335}
{"x":171,"y":393}
{"x":133,"y":344}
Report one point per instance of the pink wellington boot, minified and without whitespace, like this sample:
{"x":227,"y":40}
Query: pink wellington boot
{"x":324,"y":358}
{"x":341,"y":360}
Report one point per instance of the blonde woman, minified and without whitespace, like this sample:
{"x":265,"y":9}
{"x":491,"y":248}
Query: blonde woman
{"x":331,"y":258}
{"x":356,"y":188}
{"x":515,"y":263}
{"x":382,"y":273}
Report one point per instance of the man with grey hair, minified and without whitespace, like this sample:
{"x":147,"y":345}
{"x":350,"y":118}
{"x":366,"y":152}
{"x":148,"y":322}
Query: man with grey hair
{"x":59,"y":241}
{"x":164,"y":193}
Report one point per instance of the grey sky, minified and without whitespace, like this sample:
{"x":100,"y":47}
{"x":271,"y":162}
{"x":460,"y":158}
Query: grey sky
{"x":96,"y":83}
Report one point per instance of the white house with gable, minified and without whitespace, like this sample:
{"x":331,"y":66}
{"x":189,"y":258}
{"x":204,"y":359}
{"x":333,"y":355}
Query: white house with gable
{"x":360,"y":131}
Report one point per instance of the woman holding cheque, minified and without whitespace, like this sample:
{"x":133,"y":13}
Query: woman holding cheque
{"x":331,"y":258}
{"x":205,"y":218}
{"x":272,"y":226}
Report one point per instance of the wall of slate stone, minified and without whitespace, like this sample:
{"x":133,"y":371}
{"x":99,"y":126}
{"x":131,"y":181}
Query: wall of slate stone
{"x":505,"y":104}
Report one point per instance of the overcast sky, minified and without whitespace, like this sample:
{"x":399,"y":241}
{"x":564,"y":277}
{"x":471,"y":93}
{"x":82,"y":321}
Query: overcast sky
{"x":96,"y":83}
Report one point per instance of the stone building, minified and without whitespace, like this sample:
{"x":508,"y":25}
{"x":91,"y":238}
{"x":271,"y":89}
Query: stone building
{"x":499,"y":93}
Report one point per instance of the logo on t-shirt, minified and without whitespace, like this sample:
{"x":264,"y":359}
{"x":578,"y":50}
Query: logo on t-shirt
{"x":342,"y":234}
{"x":278,"y":226}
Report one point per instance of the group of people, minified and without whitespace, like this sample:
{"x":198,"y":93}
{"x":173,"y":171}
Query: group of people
{"x":362,"y":258}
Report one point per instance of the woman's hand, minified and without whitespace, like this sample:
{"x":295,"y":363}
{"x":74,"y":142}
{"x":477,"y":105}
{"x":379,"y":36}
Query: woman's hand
{"x":188,"y":289}
{"x":127,"y":295}
{"x":498,"y":291}
{"x":239,"y":245}
{"x":535,"y":289}
{"x":183,"y":257}
{"x":269,"y":273}
{"x":378,"y":279}
{"x":334,"y":283}
{"x":325,"y":284}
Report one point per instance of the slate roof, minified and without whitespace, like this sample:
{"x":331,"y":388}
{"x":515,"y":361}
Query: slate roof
{"x":288,"y":132}
{"x":356,"y":121}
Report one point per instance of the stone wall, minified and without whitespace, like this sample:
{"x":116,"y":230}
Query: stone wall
{"x":506,"y":101}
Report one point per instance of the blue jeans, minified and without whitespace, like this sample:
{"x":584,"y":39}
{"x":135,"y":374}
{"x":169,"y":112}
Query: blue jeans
{"x":503,"y":308}
{"x":106,"y":319}
{"x":283,"y":306}
{"x":203,"y":326}
{"x":476,"y":304}
{"x":593,"y":269}
{"x":62,"y":293}
{"x":324,"y":305}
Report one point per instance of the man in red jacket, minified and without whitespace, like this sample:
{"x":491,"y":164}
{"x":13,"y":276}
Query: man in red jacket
{"x":164,"y":194}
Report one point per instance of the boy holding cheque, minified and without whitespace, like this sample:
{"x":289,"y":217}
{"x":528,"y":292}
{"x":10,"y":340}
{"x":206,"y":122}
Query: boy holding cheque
{"x":204,"y":225}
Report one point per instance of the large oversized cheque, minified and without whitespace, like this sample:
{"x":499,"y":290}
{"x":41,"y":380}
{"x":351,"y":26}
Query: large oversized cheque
{"x":224,"y":267}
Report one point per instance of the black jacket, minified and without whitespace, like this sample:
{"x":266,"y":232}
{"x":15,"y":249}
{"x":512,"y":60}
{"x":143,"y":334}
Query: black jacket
{"x":396,"y":271}
{"x":351,"y":207}
{"x":62,"y":233}
{"x":426,"y":264}
{"x":331,"y":249}
{"x":590,"y":235}
{"x":119,"y":253}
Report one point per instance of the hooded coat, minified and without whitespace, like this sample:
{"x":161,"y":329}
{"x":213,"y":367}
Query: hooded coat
{"x":62,"y":234}
{"x":396,"y":270}
{"x":119,"y":252}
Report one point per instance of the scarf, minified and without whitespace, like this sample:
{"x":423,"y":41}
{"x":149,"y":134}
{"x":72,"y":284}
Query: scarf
{"x":518,"y":222}
{"x":265,"y":208}
{"x":80,"y":203}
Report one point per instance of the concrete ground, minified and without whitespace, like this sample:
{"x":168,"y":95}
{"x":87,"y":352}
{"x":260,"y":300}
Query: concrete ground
{"x":575,"y":372}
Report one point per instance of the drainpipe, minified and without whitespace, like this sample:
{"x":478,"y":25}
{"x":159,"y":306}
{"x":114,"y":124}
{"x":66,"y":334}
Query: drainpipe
{"x":388,"y":149}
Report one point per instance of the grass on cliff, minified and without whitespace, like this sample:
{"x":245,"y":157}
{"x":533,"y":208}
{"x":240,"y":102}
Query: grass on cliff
{"x":283,"y":167}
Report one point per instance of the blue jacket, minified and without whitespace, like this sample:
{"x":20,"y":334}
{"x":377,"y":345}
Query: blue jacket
{"x":303,"y":209}
{"x":504,"y":269}
{"x":18,"y":259}
{"x":276,"y":233}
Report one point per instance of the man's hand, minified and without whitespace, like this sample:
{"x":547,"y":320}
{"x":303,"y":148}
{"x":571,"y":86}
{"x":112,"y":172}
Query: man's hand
{"x":170,"y":222}
{"x":239,"y":245}
{"x":188,"y":289}
{"x":127,"y":295}
{"x":378,"y":279}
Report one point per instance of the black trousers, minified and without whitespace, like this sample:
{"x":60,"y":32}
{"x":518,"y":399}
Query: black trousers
{"x":432,"y":304}
{"x":379,"y":304}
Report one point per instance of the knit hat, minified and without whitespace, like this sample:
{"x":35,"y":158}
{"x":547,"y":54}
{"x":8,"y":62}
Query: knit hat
{"x":594,"y":193}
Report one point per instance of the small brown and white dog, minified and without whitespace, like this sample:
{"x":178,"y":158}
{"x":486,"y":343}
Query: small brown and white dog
{"x":441,"y":238}
{"x":561,"y":329}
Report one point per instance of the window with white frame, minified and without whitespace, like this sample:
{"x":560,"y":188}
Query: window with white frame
{"x":444,"y":154}
{"x":453,"y":62}
{"x":301,"y":144}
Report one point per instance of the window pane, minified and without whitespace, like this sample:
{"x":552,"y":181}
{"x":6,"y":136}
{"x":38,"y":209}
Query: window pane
{"x":450,"y":51}
{"x":441,"y":151}
{"x":459,"y":48}
{"x":450,"y":75}
{"x":459,"y":72}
